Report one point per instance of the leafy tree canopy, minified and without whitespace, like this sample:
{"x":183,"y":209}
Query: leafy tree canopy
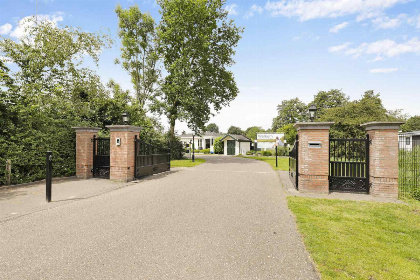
{"x":235,"y":130}
{"x":290,"y":111}
{"x":139,"y":51}
{"x":412,"y":124}
{"x":324,"y":100}
{"x":348,"y":118}
{"x":251,"y":132}
{"x":290,"y":133}
{"x":212,"y":127}
{"x":197,"y":42}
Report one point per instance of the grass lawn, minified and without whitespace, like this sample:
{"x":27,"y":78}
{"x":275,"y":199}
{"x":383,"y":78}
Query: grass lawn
{"x":187,"y":162}
{"x":360,"y":240}
{"x":283,"y":162}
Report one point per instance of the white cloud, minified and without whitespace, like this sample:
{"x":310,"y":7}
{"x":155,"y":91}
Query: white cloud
{"x":367,"y":15}
{"x":25,"y":23}
{"x":383,"y":70}
{"x":254,"y":9}
{"x":338,"y":27}
{"x":339,"y":47}
{"x":5,"y":29}
{"x":307,"y":10}
{"x":231,"y":9}
{"x":382,"y":48}
{"x":389,"y":23}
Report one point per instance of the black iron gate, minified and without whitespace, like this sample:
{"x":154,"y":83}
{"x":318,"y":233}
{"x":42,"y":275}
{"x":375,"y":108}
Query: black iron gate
{"x":150,"y":159}
{"x":101,"y":157}
{"x":349,"y":165}
{"x":293,"y":164}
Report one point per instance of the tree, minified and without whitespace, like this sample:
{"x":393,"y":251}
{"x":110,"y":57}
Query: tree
{"x":219,"y":146}
{"x":349,"y":117}
{"x":197,"y":43}
{"x":290,"y":133}
{"x":235,"y":130}
{"x":138,"y":51}
{"x":412,"y":124}
{"x":251,"y":132}
{"x":324,"y":100}
{"x":212,"y":127}
{"x":290,"y":111}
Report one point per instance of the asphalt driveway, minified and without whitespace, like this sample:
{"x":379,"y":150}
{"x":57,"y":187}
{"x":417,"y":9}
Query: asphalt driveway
{"x":225,"y":219}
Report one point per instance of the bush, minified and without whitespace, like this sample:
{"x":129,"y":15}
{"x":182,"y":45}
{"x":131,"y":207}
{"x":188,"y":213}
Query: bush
{"x":267,"y":153}
{"x":282,"y":151}
{"x":249,"y":153}
{"x":416,"y":194}
{"x":206,"y":151}
{"x":219,"y":146}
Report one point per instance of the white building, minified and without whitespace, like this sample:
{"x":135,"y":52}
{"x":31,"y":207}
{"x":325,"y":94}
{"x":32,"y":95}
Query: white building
{"x":236,"y":144}
{"x":266,"y":140}
{"x":201,"y":142}
{"x":408,"y":140}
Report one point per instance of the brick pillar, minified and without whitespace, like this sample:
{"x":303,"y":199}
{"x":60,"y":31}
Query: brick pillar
{"x":84,"y":151}
{"x":313,"y":156}
{"x":122,"y":156}
{"x":383,"y":158}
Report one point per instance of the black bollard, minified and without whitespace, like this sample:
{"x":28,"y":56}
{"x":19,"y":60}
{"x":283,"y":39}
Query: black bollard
{"x":49,"y":176}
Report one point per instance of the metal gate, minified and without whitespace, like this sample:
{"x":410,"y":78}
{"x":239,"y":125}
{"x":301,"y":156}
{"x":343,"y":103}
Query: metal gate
{"x":150,"y":159}
{"x":293,"y":164}
{"x":349,"y":165}
{"x":101,"y":160}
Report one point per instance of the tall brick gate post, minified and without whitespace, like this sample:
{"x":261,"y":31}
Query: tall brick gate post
{"x":383,"y":158}
{"x":84,"y":151}
{"x":122,"y":154}
{"x":313,"y":156}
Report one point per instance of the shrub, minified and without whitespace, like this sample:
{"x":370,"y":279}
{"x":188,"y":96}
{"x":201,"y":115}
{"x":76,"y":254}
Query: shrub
{"x":416,"y":194}
{"x":249,"y":153}
{"x":219,"y":146}
{"x":267,"y":153}
{"x":206,"y":151}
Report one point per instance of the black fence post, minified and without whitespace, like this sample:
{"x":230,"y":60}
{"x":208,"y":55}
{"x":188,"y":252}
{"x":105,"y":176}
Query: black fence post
{"x":276,"y":157}
{"x":193,"y":147}
{"x":49,"y":176}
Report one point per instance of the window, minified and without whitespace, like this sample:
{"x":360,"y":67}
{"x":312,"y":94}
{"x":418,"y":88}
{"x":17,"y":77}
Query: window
{"x":407,"y":140}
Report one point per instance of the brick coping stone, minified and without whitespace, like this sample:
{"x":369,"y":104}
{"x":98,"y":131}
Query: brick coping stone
{"x":313,"y":125}
{"x":381,"y":125}
{"x":128,"y":128}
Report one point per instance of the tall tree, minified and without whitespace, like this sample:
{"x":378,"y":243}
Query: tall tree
{"x":412,"y":124}
{"x":348,"y":118}
{"x":212,"y":127}
{"x":235,"y":130}
{"x":251,"y":132}
{"x":290,"y":133}
{"x":290,"y":111}
{"x":324,"y":100}
{"x":197,"y":42}
{"x":138,"y":51}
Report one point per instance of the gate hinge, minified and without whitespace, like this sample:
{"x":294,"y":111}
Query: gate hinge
{"x":370,"y":141}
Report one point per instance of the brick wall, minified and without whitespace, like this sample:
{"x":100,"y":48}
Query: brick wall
{"x":84,"y":151}
{"x":313,"y":162}
{"x":383,"y":162}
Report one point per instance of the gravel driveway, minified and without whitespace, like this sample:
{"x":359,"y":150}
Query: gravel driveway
{"x":224,"y":219}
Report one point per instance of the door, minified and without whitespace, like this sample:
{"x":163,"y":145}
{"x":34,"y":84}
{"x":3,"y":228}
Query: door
{"x":231,"y":147}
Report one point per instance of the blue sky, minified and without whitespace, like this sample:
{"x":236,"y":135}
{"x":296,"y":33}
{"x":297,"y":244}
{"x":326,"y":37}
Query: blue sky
{"x":289,"y":49}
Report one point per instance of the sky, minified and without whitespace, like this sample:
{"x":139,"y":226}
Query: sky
{"x":290,"y":48}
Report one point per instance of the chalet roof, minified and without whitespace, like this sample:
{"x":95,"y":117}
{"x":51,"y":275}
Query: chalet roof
{"x":206,"y":134}
{"x":237,"y":137}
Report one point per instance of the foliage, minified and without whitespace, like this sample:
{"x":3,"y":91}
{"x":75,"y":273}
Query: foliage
{"x":138,"y":51}
{"x":349,"y":117}
{"x":205,"y":151}
{"x":251,"y":132}
{"x":212,"y":127}
{"x":197,"y":43}
{"x":187,"y":162}
{"x":290,"y":111}
{"x":219,"y":146}
{"x":48,"y":93}
{"x":360,"y":240}
{"x":235,"y":130}
{"x":290,"y":133}
{"x":267,"y":153}
{"x":412,"y":124}
{"x":176,"y":146}
{"x":325,"y":100}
